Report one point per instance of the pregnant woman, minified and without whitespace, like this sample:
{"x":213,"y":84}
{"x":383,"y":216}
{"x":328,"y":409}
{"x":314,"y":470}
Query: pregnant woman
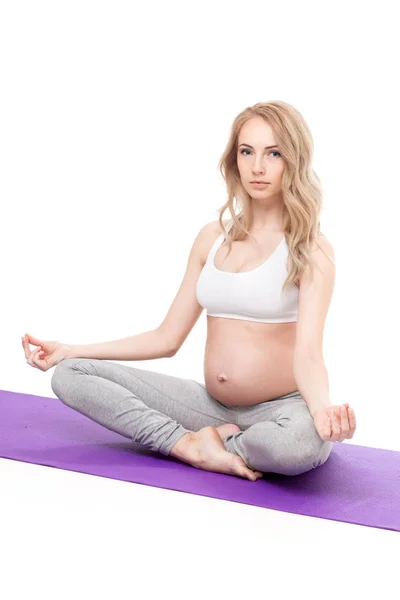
{"x":265,"y":277}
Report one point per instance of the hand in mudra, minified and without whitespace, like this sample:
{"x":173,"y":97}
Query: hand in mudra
{"x":335,"y":423}
{"x":47,"y":354}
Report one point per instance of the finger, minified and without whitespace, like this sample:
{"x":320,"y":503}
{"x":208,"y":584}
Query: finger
{"x":344,"y":422}
{"x":338,"y":415}
{"x":352,"y":422}
{"x":327,"y":432}
{"x":25,"y":343}
{"x":335,"y":427}
{"x":342,"y":429}
{"x":39,"y":354}
{"x":32,"y":360}
{"x":32,"y":355}
{"x":33,"y":340}
{"x":24,"y":347}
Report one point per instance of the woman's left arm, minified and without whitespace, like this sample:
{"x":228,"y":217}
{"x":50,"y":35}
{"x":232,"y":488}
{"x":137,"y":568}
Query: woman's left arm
{"x":312,"y":382}
{"x":334,"y":423}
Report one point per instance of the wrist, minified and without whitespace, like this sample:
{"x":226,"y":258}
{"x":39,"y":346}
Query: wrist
{"x":322,"y":407}
{"x":69,"y":351}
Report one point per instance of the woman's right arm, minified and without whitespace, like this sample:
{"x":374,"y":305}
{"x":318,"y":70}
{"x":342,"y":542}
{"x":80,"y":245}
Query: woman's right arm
{"x":164,"y":341}
{"x":143,"y":346}
{"x":182,"y":315}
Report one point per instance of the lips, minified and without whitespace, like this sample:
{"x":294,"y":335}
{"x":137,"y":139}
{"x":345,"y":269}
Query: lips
{"x":259,"y":181}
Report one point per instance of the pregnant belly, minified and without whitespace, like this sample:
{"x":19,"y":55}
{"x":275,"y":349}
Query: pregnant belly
{"x":246,"y":362}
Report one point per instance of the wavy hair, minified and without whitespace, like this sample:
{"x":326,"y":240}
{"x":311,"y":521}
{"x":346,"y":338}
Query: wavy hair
{"x":301,"y":187}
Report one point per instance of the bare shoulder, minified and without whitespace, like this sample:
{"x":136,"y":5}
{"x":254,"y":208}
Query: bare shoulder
{"x":208,"y":235}
{"x":215,"y":227}
{"x":324,"y":247}
{"x":323,"y":257}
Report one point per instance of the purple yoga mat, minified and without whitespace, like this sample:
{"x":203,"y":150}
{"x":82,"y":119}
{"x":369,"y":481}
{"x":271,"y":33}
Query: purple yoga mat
{"x":357,"y":484}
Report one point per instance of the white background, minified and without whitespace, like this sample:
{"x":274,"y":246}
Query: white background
{"x":113,"y":118}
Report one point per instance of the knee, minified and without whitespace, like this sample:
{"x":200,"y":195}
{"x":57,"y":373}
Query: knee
{"x":299,"y":450}
{"x":305,"y":449}
{"x":311,"y":455}
{"x":58,"y":379}
{"x":61,"y":379}
{"x":320,"y":457}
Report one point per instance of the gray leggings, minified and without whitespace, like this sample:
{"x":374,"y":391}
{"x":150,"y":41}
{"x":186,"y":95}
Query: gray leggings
{"x":156,"y":410}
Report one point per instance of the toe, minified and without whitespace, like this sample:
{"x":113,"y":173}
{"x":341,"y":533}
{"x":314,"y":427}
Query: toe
{"x":241,"y":469}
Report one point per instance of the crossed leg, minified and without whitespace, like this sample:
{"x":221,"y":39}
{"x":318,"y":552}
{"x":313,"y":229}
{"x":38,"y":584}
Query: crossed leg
{"x":164,"y":413}
{"x":172,"y":415}
{"x":279,"y":436}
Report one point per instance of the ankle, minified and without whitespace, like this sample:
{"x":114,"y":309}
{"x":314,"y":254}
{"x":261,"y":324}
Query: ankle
{"x":181,"y":448}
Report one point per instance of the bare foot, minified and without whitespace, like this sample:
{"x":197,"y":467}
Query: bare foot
{"x":227,"y":429}
{"x":204,"y":450}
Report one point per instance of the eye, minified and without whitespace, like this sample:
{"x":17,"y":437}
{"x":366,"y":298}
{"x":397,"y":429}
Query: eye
{"x":247,"y":150}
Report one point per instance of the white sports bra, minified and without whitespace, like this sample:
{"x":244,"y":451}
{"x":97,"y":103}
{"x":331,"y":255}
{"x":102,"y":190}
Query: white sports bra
{"x":249,"y":295}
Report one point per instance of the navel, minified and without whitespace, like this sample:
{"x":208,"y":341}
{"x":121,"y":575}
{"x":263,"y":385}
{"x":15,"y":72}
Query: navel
{"x":222,"y":377}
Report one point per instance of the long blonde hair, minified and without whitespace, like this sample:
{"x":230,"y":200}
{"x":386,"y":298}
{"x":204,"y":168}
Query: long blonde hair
{"x":301,"y":187}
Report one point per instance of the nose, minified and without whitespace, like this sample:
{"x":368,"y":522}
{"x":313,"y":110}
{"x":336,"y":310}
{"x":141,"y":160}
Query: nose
{"x":258,"y":168}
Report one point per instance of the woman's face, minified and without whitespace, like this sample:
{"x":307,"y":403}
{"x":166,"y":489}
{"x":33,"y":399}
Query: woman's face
{"x":257,"y":160}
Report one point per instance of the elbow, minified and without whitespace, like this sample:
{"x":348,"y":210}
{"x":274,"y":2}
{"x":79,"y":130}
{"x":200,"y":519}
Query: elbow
{"x":172,"y":349}
{"x":168,"y":346}
{"x":173,"y":346}
{"x":303,"y":362}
